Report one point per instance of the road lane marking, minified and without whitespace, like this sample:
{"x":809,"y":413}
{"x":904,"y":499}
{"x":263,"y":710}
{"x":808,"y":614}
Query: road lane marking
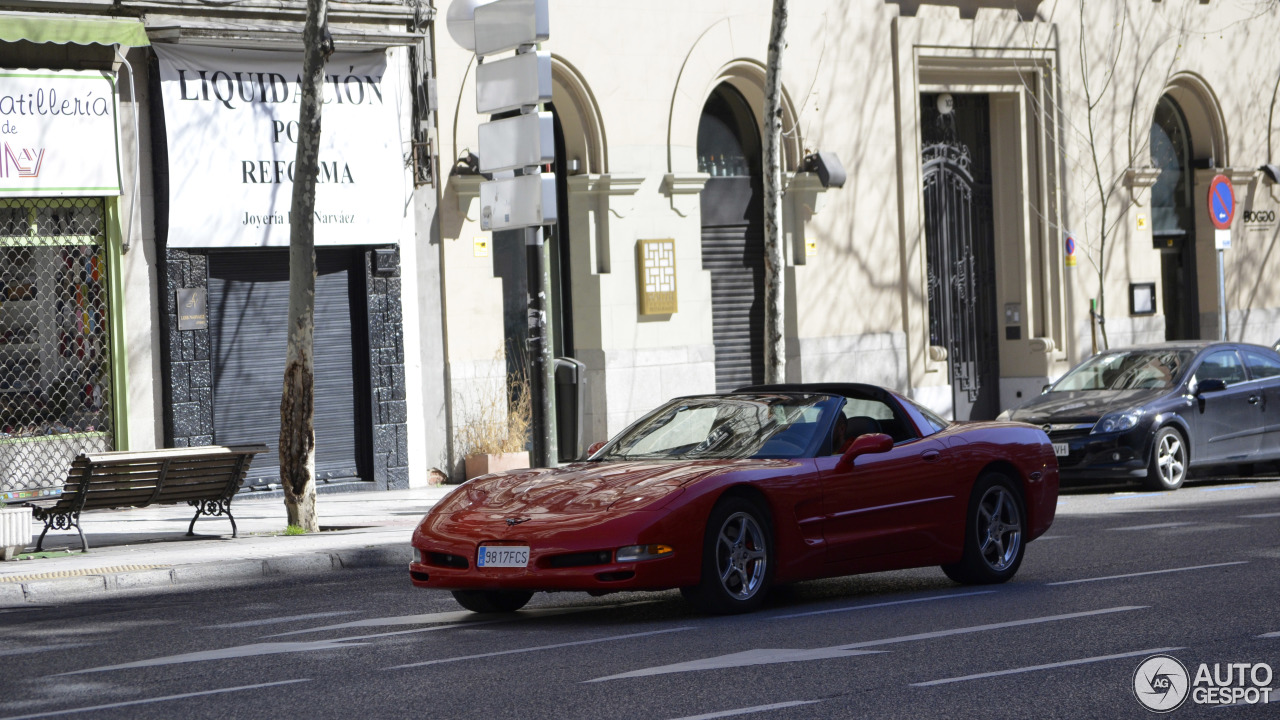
{"x":1156,"y":526}
{"x":456,"y":618}
{"x":231,"y":653}
{"x":883,"y":604}
{"x":1052,"y":537}
{"x":1130,"y":496}
{"x":1270,"y":635}
{"x":749,"y":710}
{"x":1261,"y":516}
{"x":782,"y":655}
{"x":993,"y":626}
{"x":10,"y":651}
{"x":1149,"y":572}
{"x":145,"y":701}
{"x":575,"y":643}
{"x":1228,"y":487}
{"x":1048,"y":666}
{"x":279,"y":620}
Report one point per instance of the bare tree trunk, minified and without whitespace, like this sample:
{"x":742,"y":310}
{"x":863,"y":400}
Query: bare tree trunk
{"x":297,"y":405}
{"x":775,"y":349}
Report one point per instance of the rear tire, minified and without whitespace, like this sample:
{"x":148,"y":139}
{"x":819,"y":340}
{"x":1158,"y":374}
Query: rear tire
{"x":737,"y":559}
{"x":492,"y":601}
{"x":994,"y":535}
{"x":1168,"y":465}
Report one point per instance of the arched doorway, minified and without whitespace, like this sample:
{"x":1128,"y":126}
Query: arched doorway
{"x":733,"y":235}
{"x":955,"y":134}
{"x":1173,"y":220}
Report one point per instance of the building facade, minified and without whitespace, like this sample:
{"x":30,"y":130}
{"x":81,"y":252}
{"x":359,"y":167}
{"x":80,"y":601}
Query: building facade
{"x":1008,"y":165}
{"x":150,"y":292}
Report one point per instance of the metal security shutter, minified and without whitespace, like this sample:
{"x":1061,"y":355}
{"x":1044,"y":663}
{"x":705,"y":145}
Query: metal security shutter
{"x":248,"y":319}
{"x":733,"y":252}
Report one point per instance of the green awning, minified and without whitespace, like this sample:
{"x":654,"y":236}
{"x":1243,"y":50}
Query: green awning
{"x":72,"y":29}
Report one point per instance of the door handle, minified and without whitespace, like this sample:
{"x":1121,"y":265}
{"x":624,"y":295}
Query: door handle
{"x":930,"y":456}
{"x":1253,"y":399}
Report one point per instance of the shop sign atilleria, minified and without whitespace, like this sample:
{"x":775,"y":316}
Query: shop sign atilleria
{"x":58,"y":133}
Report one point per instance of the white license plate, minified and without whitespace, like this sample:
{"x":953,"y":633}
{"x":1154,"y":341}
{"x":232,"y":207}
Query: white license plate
{"x":503,"y":556}
{"x":1061,"y":449}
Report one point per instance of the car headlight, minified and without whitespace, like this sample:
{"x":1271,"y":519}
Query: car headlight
{"x":1004,"y":415}
{"x":636,"y":553}
{"x":1118,"y":421}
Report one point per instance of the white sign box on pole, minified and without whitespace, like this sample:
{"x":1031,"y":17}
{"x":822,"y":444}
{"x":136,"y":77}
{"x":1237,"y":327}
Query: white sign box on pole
{"x":513,"y":83}
{"x":519,"y":202}
{"x":516,"y":142}
{"x":507,"y":24}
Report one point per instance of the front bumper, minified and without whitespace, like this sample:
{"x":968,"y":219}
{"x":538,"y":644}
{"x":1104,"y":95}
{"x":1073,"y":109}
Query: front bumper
{"x":1103,"y":456}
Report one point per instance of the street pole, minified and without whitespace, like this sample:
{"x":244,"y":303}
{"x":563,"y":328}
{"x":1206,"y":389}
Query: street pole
{"x":1222,"y":297}
{"x":542,"y":370}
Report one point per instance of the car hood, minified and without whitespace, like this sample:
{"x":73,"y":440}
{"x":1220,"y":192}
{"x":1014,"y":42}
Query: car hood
{"x":1082,"y":405}
{"x":587,"y":486}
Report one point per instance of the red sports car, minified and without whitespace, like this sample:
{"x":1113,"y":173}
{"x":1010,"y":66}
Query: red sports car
{"x":725,"y":495}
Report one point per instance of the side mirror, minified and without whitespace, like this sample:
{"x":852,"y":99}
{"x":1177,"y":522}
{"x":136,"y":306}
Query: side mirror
{"x":1209,"y":385}
{"x":595,"y":448}
{"x":864,"y":445}
{"x":1045,"y":389}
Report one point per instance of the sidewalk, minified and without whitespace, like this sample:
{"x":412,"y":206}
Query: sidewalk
{"x":148,"y":548}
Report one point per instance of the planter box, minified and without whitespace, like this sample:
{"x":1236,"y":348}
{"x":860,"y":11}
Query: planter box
{"x":15,"y":531}
{"x":477,"y":465}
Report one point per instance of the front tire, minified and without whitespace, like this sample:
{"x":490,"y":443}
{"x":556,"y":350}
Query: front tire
{"x":737,"y":559}
{"x":995,"y":533}
{"x":492,"y":601}
{"x":1168,"y":465}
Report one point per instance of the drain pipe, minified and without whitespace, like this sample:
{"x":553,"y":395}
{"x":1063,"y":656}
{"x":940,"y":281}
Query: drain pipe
{"x":137,"y":163}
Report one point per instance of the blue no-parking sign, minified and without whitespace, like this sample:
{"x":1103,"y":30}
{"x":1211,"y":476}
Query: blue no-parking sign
{"x":1222,"y":202}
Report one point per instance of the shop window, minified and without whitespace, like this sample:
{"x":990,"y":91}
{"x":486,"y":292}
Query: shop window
{"x":55,"y":399}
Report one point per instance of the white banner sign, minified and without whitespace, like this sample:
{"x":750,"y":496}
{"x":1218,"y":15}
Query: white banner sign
{"x":231,"y":117}
{"x":58,"y":133}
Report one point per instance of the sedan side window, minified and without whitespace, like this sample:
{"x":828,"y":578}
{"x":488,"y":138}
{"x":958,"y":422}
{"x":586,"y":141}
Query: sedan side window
{"x":1261,"y":366}
{"x":1223,"y":365}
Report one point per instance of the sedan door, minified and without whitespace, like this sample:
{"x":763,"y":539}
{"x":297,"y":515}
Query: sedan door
{"x":1229,"y":422}
{"x":1264,"y":371}
{"x":888,"y":503}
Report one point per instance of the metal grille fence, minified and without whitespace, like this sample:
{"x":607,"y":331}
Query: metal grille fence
{"x":55,"y":397}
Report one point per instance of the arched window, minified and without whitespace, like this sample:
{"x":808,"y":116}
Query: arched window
{"x":1171,"y":152}
{"x":728,"y":141}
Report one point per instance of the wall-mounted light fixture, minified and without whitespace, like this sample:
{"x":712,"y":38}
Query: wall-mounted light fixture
{"x":828,"y":168}
{"x":1271,"y":172}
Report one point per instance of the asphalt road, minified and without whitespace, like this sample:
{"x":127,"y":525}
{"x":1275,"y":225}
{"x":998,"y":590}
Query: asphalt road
{"x":1119,"y":577}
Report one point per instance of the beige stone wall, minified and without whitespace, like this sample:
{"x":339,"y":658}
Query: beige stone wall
{"x":631,"y":83}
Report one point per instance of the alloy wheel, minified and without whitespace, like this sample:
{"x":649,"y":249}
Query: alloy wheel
{"x":1171,"y":459}
{"x":999,"y":528}
{"x":741,"y":557}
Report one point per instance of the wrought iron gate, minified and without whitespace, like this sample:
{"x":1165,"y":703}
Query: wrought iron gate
{"x":55,"y":364}
{"x":959,"y":251}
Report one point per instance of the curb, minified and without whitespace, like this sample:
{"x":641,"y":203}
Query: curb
{"x":90,"y":586}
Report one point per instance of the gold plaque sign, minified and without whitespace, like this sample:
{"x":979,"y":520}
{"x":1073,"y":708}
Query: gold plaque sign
{"x":656,"y":261}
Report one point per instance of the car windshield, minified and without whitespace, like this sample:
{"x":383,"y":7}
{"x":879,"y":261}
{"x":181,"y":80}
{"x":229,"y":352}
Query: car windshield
{"x":1155,"y":369}
{"x":725,"y":427}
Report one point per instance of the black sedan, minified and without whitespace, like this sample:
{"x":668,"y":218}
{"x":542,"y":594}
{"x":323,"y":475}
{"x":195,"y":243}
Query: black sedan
{"x":1153,"y":413}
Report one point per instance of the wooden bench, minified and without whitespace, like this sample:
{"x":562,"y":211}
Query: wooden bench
{"x":206,"y":478}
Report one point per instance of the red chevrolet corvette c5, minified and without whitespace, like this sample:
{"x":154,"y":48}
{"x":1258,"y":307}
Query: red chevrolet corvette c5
{"x":725,"y":495}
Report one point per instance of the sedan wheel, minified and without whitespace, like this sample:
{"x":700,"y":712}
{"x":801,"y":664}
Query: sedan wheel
{"x":736,"y":559}
{"x":994,"y":534}
{"x":1168,"y":466}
